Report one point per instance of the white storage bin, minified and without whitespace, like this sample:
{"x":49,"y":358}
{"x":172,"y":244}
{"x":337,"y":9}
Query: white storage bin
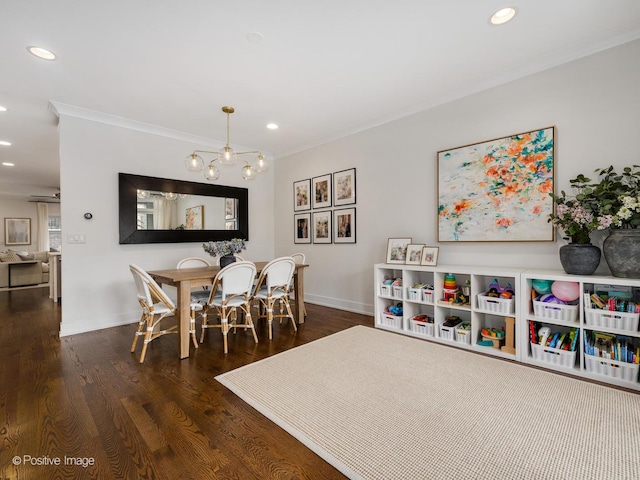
{"x":606,"y":318}
{"x":427,"y":296}
{"x":415,"y":294}
{"x":553,"y":311}
{"x":462,"y":335}
{"x":555,"y":356}
{"x":397,"y":291}
{"x":385,"y":290}
{"x":388,"y":320}
{"x":503,"y":306}
{"x":423,"y":328}
{"x":448,"y":333}
{"x":612,"y":368}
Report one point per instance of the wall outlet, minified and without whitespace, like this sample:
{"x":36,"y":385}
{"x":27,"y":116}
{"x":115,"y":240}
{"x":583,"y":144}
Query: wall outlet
{"x":76,"y":238}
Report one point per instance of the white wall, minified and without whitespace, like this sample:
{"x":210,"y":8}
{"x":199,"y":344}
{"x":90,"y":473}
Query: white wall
{"x":21,"y":208}
{"x":97,"y":287}
{"x":594,"y":103}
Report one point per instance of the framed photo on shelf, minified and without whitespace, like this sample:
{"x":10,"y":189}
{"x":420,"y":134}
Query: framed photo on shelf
{"x":194,"y":218}
{"x":17,"y":231}
{"x":302,"y":228}
{"x":344,"y":187}
{"x":301,"y":195}
{"x":429,"y":256}
{"x":344,"y":225}
{"x":414,"y":253}
{"x":322,"y":226}
{"x":397,"y":249}
{"x":321,"y":188}
{"x":498,"y":190}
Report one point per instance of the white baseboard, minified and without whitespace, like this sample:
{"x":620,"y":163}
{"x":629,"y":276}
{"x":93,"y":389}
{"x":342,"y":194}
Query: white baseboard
{"x":74,"y":329}
{"x":340,"y":304}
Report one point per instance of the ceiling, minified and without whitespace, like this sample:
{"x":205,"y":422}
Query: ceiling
{"x":323,"y":69}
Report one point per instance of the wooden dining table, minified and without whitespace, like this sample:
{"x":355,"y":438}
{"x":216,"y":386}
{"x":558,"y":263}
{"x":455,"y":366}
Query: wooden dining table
{"x":184,"y":279}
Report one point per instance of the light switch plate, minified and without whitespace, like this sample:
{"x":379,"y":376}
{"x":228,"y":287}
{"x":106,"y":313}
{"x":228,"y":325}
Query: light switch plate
{"x":76,"y":238}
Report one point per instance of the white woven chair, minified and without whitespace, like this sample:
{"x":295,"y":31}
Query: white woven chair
{"x":231,"y":292}
{"x":273,"y":287}
{"x":156,"y":306}
{"x":199,"y":296}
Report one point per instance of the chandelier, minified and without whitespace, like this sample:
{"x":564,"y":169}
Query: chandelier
{"x":227,"y":157}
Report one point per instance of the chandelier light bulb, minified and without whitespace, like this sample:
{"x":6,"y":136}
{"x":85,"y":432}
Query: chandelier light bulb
{"x":142,"y":194}
{"x":212,"y":172}
{"x":248,"y":173}
{"x":194,"y":163}
{"x":227,"y":156}
{"x":171,"y":196}
{"x":261,"y":164}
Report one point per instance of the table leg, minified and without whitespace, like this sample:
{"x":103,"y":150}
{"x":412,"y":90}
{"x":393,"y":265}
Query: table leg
{"x":184,"y":303}
{"x":298,"y":286}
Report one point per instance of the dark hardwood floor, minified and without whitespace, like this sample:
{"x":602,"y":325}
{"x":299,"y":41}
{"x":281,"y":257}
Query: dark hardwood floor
{"x":87,"y":398}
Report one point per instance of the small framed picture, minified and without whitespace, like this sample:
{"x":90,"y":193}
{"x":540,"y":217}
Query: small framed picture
{"x":397,"y":250}
{"x":194,"y":218}
{"x":344,"y":225}
{"x":414,"y":253}
{"x":17,"y":231}
{"x":321,"y":188}
{"x":429,"y":256}
{"x":302,"y":227}
{"x":344,"y":187}
{"x":322,"y":226}
{"x":301,"y":195}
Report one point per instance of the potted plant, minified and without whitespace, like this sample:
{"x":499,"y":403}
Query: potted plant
{"x":225,"y":249}
{"x":577,"y":216}
{"x":618,"y":199}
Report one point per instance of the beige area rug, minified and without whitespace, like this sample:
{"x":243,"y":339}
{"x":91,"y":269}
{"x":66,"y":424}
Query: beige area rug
{"x":377,"y":405}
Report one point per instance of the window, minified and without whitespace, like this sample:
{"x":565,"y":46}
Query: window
{"x":55,"y":232}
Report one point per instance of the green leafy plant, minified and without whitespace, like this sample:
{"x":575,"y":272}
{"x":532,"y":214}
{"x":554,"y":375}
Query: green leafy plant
{"x":577,"y":216}
{"x":618,"y":196}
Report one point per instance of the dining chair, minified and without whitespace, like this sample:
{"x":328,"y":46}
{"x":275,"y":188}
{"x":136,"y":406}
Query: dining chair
{"x":231,"y":291}
{"x":199,"y":296}
{"x":156,"y":306}
{"x":273,"y":287}
{"x":300,"y":259}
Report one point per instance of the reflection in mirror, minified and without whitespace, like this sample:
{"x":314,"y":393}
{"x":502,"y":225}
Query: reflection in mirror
{"x":171,"y":211}
{"x":159,"y":210}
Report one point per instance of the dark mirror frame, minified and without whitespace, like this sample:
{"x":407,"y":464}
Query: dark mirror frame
{"x":128,"y":197}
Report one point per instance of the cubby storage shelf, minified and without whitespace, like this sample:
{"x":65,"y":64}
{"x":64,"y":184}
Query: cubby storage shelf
{"x":482,"y":312}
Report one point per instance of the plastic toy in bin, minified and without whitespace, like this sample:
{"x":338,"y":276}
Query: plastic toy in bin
{"x":496,"y":291}
{"x":394,"y":309}
{"x":452,"y":321}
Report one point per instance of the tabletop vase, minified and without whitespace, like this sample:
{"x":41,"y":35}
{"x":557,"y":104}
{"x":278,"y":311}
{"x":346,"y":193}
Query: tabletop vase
{"x":622,"y":252}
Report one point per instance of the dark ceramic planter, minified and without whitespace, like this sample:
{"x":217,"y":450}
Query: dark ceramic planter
{"x":226,"y":260}
{"x":622,"y":253}
{"x":579,"y":258}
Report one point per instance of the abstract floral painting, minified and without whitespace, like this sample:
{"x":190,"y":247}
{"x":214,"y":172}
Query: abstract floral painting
{"x":498,"y":190}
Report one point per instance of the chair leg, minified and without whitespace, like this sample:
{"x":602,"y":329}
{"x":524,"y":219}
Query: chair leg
{"x":270,"y":317}
{"x":147,"y":338}
{"x":138,"y":333}
{"x":290,"y":315}
{"x":192,"y":327}
{"x":204,"y":326}
{"x":249,"y":322}
{"x":225,"y":331}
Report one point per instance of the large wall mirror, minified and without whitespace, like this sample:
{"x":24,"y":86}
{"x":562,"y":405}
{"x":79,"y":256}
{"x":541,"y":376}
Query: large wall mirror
{"x":159,"y":210}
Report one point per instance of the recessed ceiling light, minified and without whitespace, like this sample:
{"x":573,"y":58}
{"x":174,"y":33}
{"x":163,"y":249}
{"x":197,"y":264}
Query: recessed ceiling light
{"x":41,"y":53}
{"x":4,"y":143}
{"x":8,"y":164}
{"x":3,"y":109}
{"x":255,"y":37}
{"x":503,"y":15}
{"x":272,"y":126}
